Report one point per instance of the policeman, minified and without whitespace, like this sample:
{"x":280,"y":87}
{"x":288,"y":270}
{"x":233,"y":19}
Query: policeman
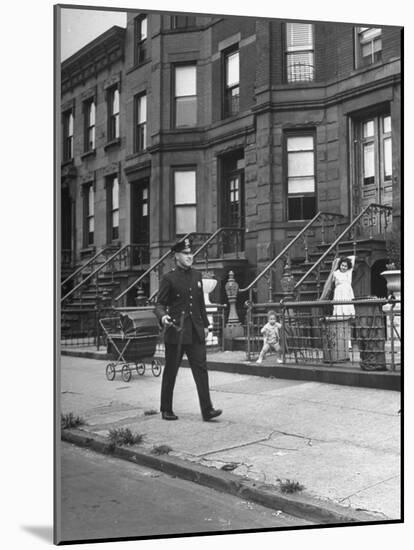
{"x":181,"y":310}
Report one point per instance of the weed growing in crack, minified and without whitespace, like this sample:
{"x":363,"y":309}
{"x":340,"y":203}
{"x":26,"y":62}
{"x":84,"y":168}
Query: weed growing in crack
{"x":161,"y":450}
{"x":290,"y":486}
{"x":69,"y":420}
{"x":123,"y":436}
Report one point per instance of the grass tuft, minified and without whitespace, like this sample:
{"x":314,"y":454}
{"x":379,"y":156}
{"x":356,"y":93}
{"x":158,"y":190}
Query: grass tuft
{"x":69,"y":420}
{"x":123,"y":436}
{"x":290,"y":486}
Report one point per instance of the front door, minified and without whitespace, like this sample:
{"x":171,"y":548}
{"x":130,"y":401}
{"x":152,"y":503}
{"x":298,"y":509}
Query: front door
{"x":140,"y":221}
{"x":232,"y":211}
{"x":373,"y":166}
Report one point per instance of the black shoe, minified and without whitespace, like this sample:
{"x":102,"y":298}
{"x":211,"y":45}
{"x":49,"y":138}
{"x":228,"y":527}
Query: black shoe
{"x":168,"y":415}
{"x":212,"y":413}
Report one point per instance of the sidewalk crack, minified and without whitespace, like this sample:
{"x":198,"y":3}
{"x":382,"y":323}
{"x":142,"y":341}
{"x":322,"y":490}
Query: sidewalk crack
{"x":368,"y":487}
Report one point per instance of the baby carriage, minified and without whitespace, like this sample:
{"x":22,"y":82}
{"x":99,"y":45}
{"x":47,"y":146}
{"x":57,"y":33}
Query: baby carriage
{"x":132,"y":338}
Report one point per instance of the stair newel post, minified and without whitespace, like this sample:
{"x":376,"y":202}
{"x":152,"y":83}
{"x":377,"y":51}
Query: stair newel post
{"x":98,"y":309}
{"x":323,"y":230}
{"x":233,"y":328}
{"x":249,"y":318}
{"x":140,"y":299}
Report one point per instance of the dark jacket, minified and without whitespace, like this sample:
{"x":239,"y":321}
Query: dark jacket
{"x":182,"y":291}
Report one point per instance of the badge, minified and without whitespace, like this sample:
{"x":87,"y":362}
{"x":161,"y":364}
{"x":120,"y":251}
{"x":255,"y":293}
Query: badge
{"x":199,"y":284}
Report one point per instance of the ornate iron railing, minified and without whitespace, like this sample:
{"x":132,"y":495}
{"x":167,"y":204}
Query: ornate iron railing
{"x":127,"y":257}
{"x":311,"y":335}
{"x":326,"y":223}
{"x":374,"y":215}
{"x":220,"y":242}
{"x":158,"y":265}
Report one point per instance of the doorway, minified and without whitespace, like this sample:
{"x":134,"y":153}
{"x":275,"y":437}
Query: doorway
{"x":232,"y":211}
{"x":140,"y":221}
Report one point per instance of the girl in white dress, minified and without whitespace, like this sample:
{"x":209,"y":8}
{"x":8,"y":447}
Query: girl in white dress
{"x":342,"y":279}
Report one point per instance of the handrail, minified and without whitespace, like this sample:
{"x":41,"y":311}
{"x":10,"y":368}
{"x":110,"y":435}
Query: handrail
{"x":213,"y":235}
{"x":84,"y":265}
{"x":93,"y":273}
{"x":338,"y":239}
{"x":204,"y":245}
{"x":150,"y":269}
{"x":287,"y":247}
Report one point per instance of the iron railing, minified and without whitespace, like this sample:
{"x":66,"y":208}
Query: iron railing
{"x":373,"y":212}
{"x":325,"y":222}
{"x":81,"y":328}
{"x":311,"y":335}
{"x":126,"y":257}
{"x":156,"y":266}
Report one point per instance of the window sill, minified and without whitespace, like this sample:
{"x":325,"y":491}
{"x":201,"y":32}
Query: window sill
{"x":138,"y":66}
{"x":91,"y":153}
{"x":137,"y":155}
{"x":113,"y":143}
{"x":87,"y":251}
{"x":67,"y":162}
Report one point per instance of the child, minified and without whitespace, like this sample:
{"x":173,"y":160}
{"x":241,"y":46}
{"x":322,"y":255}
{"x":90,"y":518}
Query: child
{"x":271,"y":337}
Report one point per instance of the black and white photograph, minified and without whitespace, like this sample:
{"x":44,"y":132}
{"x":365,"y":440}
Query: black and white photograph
{"x":228,"y":231}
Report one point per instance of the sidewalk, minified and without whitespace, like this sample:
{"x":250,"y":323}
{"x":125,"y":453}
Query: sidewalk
{"x":342,"y":443}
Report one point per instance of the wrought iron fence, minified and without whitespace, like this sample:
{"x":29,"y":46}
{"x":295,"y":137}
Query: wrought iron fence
{"x":311,"y":334}
{"x":81,"y":328}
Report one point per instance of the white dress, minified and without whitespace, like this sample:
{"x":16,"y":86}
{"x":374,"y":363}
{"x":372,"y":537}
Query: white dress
{"x":343,"y":291}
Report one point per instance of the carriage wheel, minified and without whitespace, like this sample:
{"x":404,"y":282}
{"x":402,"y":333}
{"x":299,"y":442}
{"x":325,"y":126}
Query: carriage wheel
{"x":140,"y":368}
{"x":126,"y":373}
{"x":110,"y":371}
{"x":156,"y":367}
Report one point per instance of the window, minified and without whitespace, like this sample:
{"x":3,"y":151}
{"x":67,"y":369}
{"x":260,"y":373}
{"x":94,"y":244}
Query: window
{"x":141,"y":34}
{"x":112,"y":189}
{"x":376,"y":150}
{"x":231,"y":83}
{"x":182,"y":21}
{"x":301,"y":177}
{"x":140,"y":116}
{"x":185,"y":96}
{"x":368,"y":46}
{"x":299,"y":52}
{"x":67,"y":152}
{"x":89,"y":214}
{"x":113,"y":113}
{"x":89,"y":113}
{"x":185,"y":201}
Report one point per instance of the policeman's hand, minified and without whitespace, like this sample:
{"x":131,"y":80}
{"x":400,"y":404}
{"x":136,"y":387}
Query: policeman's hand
{"x":166,"y":321}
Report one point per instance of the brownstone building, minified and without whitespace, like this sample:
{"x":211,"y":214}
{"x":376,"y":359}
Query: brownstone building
{"x":181,"y":124}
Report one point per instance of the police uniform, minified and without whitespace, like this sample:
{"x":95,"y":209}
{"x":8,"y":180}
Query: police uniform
{"x":181,"y":297}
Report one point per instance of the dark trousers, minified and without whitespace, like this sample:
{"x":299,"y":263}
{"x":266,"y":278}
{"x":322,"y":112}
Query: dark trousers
{"x":196,"y":354}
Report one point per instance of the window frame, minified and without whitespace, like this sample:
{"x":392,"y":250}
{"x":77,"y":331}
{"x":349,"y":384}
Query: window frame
{"x":88,"y":236}
{"x":140,"y":44}
{"x":303,"y":195}
{"x":360,"y":61}
{"x":113,"y":122}
{"x":175,"y":97}
{"x":288,"y":53}
{"x":140,"y":128}
{"x":88,"y":126}
{"x":227,"y":95}
{"x":175,"y":205}
{"x":67,"y":137}
{"x":111,"y":235}
{"x":188,"y":21}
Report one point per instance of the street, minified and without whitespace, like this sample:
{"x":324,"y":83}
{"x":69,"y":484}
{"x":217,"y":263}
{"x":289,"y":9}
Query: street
{"x":105,"y":497}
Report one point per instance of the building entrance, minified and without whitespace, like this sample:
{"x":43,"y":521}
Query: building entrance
{"x":140,"y":220}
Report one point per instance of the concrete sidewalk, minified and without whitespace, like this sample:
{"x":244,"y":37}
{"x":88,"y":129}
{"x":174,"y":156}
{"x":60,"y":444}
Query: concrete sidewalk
{"x":342,"y":443}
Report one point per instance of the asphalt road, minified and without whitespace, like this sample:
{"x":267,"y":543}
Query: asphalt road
{"x":105,"y":497}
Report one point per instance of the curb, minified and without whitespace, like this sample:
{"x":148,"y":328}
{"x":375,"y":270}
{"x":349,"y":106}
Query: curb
{"x":300,"y":506}
{"x":381,"y":380}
